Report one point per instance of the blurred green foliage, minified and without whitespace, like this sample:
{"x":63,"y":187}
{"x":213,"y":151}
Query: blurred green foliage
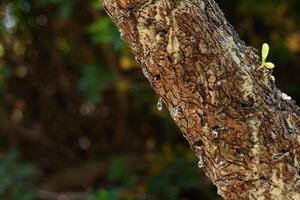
{"x":106,"y":195}
{"x":17,"y":180}
{"x":103,"y":31}
{"x":93,"y":80}
{"x":5,"y":72}
{"x":75,"y":103}
{"x":171,"y":177}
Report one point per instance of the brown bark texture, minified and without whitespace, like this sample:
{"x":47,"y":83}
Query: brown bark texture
{"x":245,"y":131}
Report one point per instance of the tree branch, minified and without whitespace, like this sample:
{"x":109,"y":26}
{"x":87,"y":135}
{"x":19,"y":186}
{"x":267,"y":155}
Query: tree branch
{"x":225,"y":103}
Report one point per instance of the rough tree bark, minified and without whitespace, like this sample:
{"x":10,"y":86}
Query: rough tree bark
{"x":244,"y":130}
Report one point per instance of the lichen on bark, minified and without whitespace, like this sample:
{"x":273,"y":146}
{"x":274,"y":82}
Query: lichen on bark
{"x":210,"y":81}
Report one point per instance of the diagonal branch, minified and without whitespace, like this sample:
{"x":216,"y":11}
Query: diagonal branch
{"x":244,"y":130}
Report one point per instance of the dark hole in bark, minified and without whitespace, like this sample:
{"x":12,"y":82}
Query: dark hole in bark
{"x":244,"y":104}
{"x":263,"y":178}
{"x":216,"y":128}
{"x":290,"y":131}
{"x":238,"y":152}
{"x":157,"y":77}
{"x":290,"y":160}
{"x":201,"y":90}
{"x":199,"y":143}
{"x":161,"y":31}
{"x":203,"y":120}
{"x":130,"y":7}
{"x":146,"y":22}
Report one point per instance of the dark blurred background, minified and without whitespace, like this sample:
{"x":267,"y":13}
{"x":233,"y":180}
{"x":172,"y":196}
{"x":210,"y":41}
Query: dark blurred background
{"x":78,"y":119}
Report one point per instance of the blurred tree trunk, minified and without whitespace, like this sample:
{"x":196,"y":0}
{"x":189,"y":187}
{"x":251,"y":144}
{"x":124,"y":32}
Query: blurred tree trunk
{"x":243,"y":129}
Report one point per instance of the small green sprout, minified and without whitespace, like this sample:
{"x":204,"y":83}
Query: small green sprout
{"x":264,"y":54}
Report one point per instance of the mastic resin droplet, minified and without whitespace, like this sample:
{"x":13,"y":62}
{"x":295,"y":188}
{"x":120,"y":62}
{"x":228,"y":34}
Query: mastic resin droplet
{"x":215,"y":134}
{"x":200,"y":162}
{"x":159,"y":104}
{"x":177,"y":111}
{"x":146,"y":73}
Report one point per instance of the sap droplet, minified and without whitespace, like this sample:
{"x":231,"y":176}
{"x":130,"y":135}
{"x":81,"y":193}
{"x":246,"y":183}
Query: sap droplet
{"x":200,"y":162}
{"x":122,"y":34}
{"x":159,"y":104}
{"x":285,"y":97}
{"x":215,"y":134}
{"x":176,"y":112}
{"x":219,"y":83}
{"x":145,"y":72}
{"x":193,"y":39}
{"x":272,"y":78}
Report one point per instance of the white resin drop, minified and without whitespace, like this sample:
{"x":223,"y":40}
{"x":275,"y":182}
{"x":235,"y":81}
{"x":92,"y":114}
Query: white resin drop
{"x":176,"y":112}
{"x":122,"y":34}
{"x":146,"y":73}
{"x":200,"y":162}
{"x":285,"y":97}
{"x":215,"y":134}
{"x":159,"y":104}
{"x":193,"y":39}
{"x":272,"y":78}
